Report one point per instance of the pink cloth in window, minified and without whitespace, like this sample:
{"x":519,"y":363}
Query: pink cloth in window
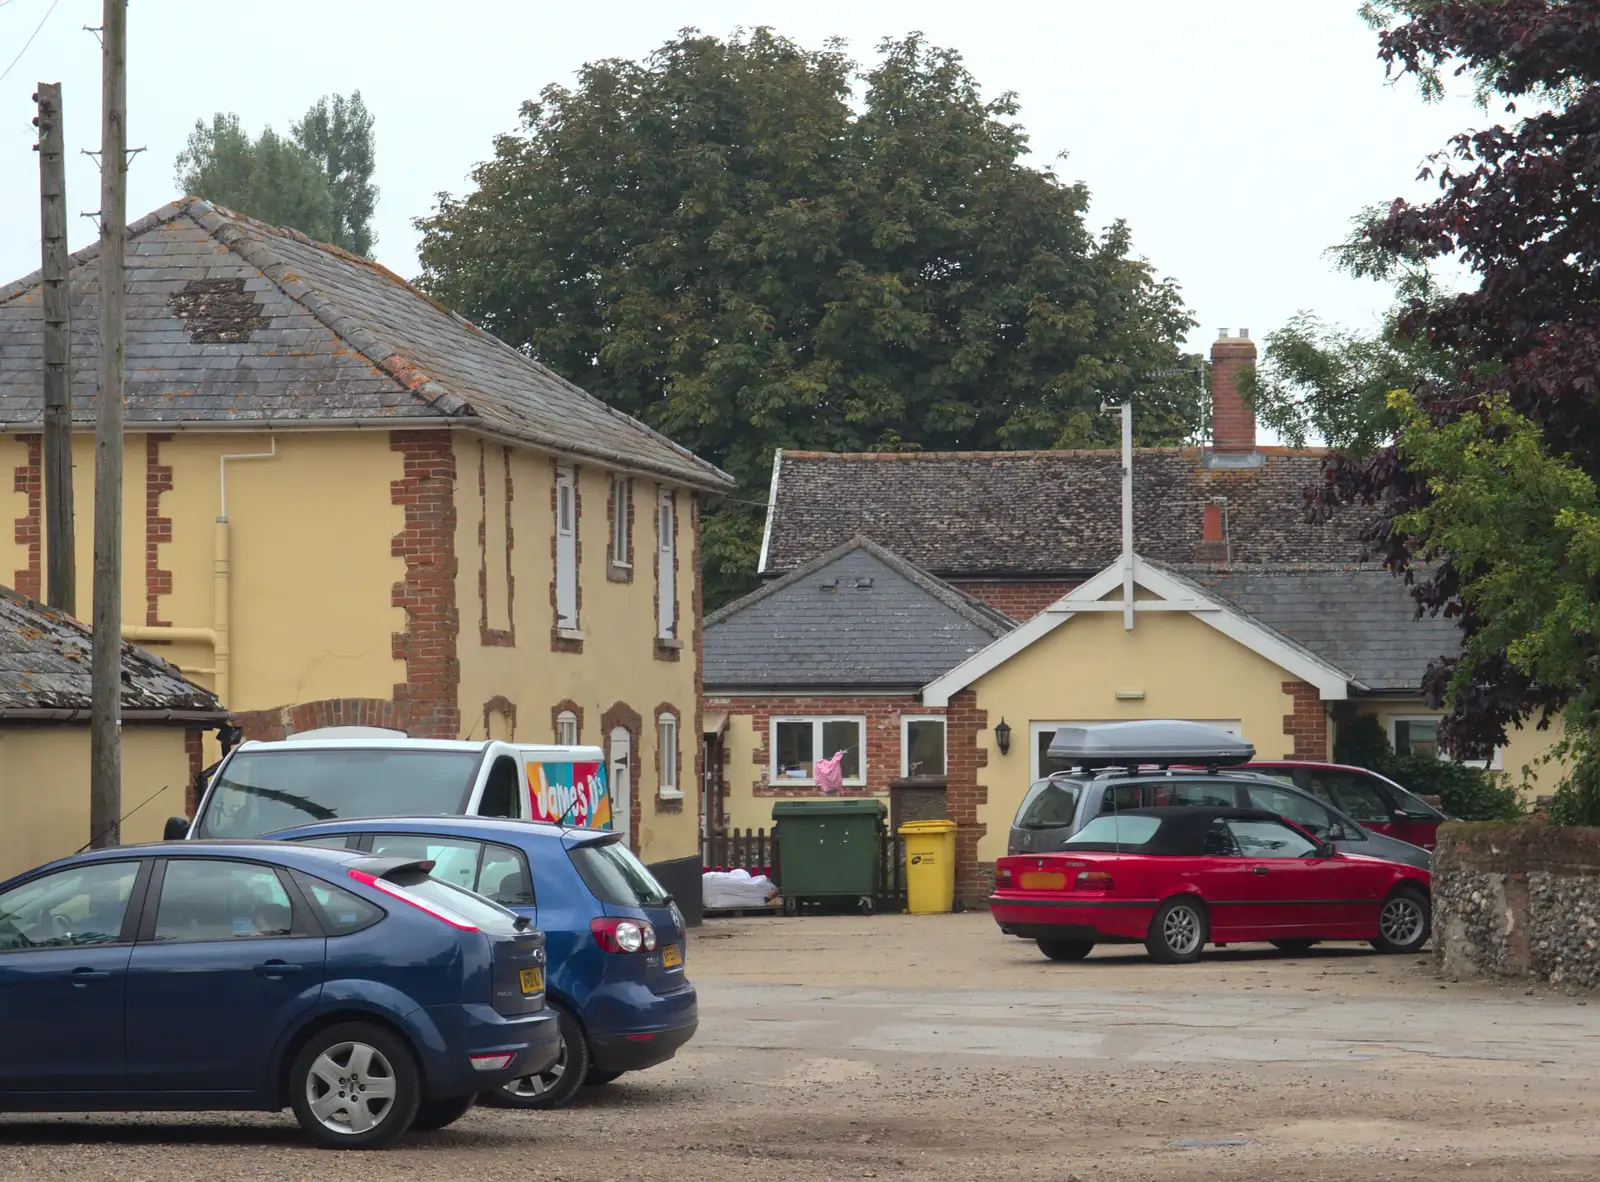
{"x":829,"y":773}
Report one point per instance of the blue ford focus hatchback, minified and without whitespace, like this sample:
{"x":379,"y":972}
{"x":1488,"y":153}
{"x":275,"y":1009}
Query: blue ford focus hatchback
{"x":365,"y":995}
{"x":615,"y":939}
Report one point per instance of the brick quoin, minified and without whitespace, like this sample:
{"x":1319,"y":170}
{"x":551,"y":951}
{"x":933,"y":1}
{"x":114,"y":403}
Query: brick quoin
{"x":28,"y":478}
{"x":426,"y":491}
{"x":193,"y":747}
{"x":883,"y":716}
{"x":964,"y":795}
{"x":1019,"y":600}
{"x":157,"y":530}
{"x":1307,"y":726}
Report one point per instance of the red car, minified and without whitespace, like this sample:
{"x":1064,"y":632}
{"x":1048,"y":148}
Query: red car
{"x":1378,"y":803}
{"x":1176,"y":879}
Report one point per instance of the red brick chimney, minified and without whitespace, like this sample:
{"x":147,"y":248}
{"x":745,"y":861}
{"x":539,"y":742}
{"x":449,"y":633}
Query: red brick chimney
{"x":1233,"y":426}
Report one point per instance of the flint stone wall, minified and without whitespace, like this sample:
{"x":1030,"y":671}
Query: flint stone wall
{"x":1518,"y":900}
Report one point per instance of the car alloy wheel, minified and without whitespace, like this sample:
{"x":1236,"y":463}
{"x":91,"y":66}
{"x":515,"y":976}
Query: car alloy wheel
{"x":350,"y":1087}
{"x":354,"y":1086}
{"x":535,"y":1087}
{"x":1403,"y":924}
{"x":1177,"y":931}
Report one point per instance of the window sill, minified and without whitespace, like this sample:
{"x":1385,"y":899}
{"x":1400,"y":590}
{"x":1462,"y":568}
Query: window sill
{"x":569,"y":634}
{"x":621,"y":565}
{"x":669,"y":642}
{"x":847,"y":786}
{"x":669,"y":794}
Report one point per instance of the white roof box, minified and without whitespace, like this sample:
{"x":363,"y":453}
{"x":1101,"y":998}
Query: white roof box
{"x":1157,"y":741}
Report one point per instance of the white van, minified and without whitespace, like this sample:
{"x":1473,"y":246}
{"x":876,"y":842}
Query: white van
{"x":347,"y":772}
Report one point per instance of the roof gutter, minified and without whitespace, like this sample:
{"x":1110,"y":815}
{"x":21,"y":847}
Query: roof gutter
{"x":621,"y":460}
{"x":81,"y":714}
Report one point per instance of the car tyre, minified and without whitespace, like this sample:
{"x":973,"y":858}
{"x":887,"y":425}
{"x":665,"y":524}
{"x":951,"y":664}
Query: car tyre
{"x":1404,"y":923}
{"x":558,"y":1085}
{"x":1066,"y":949}
{"x":1178,"y":931}
{"x":354,"y":1086}
{"x":1295,"y":947}
{"x":433,"y":1115}
{"x":599,"y":1079}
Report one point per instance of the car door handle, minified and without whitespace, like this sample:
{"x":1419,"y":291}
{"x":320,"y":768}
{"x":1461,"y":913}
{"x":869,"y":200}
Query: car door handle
{"x":277,"y":968}
{"x":82,"y":977}
{"x":1259,"y":869}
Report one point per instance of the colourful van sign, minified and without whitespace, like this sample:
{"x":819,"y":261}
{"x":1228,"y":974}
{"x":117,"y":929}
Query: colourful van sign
{"x":569,"y":794}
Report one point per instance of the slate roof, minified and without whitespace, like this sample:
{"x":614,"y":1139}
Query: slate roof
{"x":232,"y":321}
{"x":857,"y":617}
{"x":1360,"y":619}
{"x":1059,"y":513}
{"x":44,"y":667}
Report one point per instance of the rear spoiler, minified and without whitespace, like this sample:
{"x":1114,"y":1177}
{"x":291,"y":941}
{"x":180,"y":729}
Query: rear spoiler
{"x":388,"y":868}
{"x":583,"y":839}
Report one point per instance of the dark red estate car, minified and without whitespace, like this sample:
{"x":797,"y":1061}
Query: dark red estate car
{"x":1378,"y":803}
{"x":1176,"y":879}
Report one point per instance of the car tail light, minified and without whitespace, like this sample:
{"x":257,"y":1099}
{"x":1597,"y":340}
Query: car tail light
{"x":623,"y":935}
{"x":491,"y":1062}
{"x":1095,"y":880}
{"x":394,"y":892}
{"x":1002,"y":878}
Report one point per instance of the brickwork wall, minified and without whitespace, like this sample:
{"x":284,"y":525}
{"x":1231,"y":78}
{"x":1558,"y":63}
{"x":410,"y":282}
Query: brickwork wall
{"x":883,"y":716}
{"x":157,"y":530}
{"x":279,"y":722}
{"x":1307,"y":725}
{"x":964,"y":795}
{"x":28,"y":477}
{"x":426,"y":491}
{"x":1019,"y":600}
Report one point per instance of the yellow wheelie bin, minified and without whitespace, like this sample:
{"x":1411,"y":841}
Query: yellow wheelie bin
{"x":930,"y":866}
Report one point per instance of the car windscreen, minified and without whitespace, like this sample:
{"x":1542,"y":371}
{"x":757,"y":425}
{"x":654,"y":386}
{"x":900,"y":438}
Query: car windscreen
{"x":615,"y":876}
{"x":1050,"y":804}
{"x":1116,"y":831}
{"x":257,"y":792}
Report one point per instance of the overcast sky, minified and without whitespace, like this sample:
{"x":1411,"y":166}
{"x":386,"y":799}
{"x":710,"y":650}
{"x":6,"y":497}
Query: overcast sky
{"x":1237,"y":137}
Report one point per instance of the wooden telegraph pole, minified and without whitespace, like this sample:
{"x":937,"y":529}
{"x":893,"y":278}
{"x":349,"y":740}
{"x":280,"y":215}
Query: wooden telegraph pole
{"x":105,"y":713}
{"x":61,"y":590}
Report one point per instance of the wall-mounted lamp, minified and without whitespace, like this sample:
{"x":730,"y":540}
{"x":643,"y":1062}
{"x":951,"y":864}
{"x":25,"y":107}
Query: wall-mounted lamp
{"x":1002,"y":737}
{"x":1130,"y":695}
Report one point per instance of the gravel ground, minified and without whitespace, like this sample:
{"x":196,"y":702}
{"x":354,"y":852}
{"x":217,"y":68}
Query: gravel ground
{"x":893,"y":1047}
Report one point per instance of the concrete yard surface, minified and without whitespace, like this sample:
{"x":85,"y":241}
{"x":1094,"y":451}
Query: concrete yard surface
{"x":934,"y":1048}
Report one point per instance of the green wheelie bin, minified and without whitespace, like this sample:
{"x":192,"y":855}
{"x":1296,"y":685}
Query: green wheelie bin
{"x":827,"y":849}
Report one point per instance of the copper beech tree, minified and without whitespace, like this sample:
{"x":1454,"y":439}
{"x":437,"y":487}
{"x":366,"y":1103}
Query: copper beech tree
{"x":1513,"y":373}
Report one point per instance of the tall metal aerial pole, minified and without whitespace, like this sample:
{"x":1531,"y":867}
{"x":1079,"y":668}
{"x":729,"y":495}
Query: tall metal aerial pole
{"x":61,"y":585}
{"x":105,"y":714}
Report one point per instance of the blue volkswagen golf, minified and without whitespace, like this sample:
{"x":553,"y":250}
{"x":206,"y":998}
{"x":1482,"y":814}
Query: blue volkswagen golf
{"x":365,"y":995}
{"x":616,"y":940}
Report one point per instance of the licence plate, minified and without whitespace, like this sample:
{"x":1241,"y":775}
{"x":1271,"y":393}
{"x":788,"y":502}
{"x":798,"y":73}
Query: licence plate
{"x":671,"y":957}
{"x":1042,"y":880}
{"x":532,"y":980}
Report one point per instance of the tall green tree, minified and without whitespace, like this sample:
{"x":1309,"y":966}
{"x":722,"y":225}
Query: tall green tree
{"x":270,"y":178}
{"x":749,"y":245}
{"x":337,"y":133}
{"x":319,"y":181}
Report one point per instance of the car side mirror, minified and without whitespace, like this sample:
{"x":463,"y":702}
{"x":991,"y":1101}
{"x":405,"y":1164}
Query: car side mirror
{"x":177,"y":829}
{"x":1326,"y":850}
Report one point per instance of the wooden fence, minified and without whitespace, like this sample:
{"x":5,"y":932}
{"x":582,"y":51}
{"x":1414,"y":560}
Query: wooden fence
{"x":756,"y":850}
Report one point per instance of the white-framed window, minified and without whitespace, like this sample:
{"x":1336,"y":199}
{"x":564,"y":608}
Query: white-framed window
{"x":1040,"y":734}
{"x":1418,"y":734}
{"x":797,"y":743}
{"x":567,"y":729}
{"x":621,"y":492}
{"x":566,"y":549}
{"x":667,"y":737}
{"x":666,"y":565}
{"x":922,"y":745}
